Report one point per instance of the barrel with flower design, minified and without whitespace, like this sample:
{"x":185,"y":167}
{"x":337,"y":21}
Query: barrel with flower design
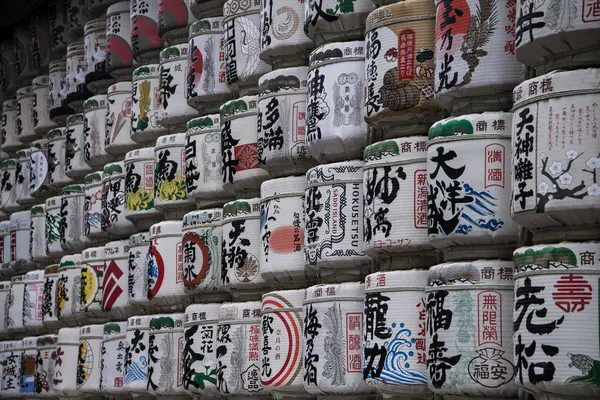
{"x":113,"y":201}
{"x":145,"y":40}
{"x":119,"y":56}
{"x":113,"y":353}
{"x":89,"y":357}
{"x":92,"y":284}
{"x":94,"y":131}
{"x":53,"y":247}
{"x":72,"y":219}
{"x":115,"y":295}
{"x":327,"y":21}
{"x":68,"y":291}
{"x":57,"y":145}
{"x":145,"y":117}
{"x":139,"y":188}
{"x":65,"y":365}
{"x":49,"y":305}
{"x":136,"y":359}
{"x":93,"y":206}
{"x":117,"y":139}
{"x":41,"y":106}
{"x":39,"y":178}
{"x":37,"y":251}
{"x":45,"y":359}
{"x":76,"y":166}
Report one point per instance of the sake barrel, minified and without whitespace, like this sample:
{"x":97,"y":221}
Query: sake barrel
{"x":59,"y":21}
{"x":334,"y":232}
{"x":400,"y":88}
{"x":239,"y":148}
{"x":243,"y":65}
{"x":174,"y":18}
{"x":119,"y":57}
{"x":39,"y":177}
{"x":199,"y":352}
{"x":5,"y":247}
{"x":139,"y":188}
{"x":170,"y":196}
{"x":166,"y":341}
{"x":93,"y":206}
{"x":165,"y":266}
{"x":92,"y":275}
{"x":475,"y":82}
{"x":477,"y":294}
{"x":138,"y":330}
{"x":282,"y":233}
{"x":32,"y":301}
{"x":553,"y":297}
{"x":206,"y":8}
{"x":202,"y":243}
{"x":241,"y":248}
{"x":76,"y":165}
{"x":24,"y":65}
{"x":68,"y":290}
{"x":554,"y":164}
{"x":25,"y":131}
{"x":281,"y":343}
{"x":38,"y":235}
{"x":94,"y":131}
{"x":49,"y":303}
{"x":53,"y":247}
{"x":283,"y":42}
{"x":173,"y":109}
{"x":204,"y":183}
{"x":395,"y":202}
{"x":118,"y":123}
{"x":145,"y":117}
{"x":88,"y":360}
{"x":113,"y":201}
{"x":10,"y":140}
{"x":207,"y":85}
{"x":11,"y":376}
{"x":115,"y":295}
{"x":2,"y":360}
{"x":41,"y":106}
{"x":57,"y":151}
{"x":64,"y":376}
{"x":8,"y":188}
{"x":330,"y":20}
{"x":139,"y":244}
{"x":8,"y":77}
{"x":113,"y":354}
{"x":23,"y":177}
{"x":39,"y":28}
{"x":57,"y":92}
{"x":335,"y":126}
{"x":44,"y":367}
{"x":470,"y":219}
{"x":145,"y":40}
{"x":281,"y":121}
{"x":14,"y":305}
{"x":77,"y":92}
{"x":20,"y":223}
{"x":4,"y":301}
{"x":551,"y":36}
{"x":77,"y":18}
{"x":238,"y":338}
{"x":333,"y":331}
{"x":97,"y":78}
{"x":28,"y":364}
{"x":72,"y":219}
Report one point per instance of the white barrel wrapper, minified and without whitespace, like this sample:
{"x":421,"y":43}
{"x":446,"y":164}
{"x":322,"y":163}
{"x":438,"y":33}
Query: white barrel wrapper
{"x":139,"y":188}
{"x":281,"y":342}
{"x":14,"y":305}
{"x":199,"y":354}
{"x":281,"y":128}
{"x":395,"y":361}
{"x":469,"y":314}
{"x":57,"y":96}
{"x":97,"y":78}
{"x":145,"y":41}
{"x":333,"y":238}
{"x":335,"y":127}
{"x":117,"y":139}
{"x":165,"y":354}
{"x":53,"y":247}
{"x":145,"y":116}
{"x":554,"y":307}
{"x":44,"y":368}
{"x":39,"y":177}
{"x":12,"y":367}
{"x":5,"y":250}
{"x":239,"y":148}
{"x":333,"y":332}
{"x":113,"y":353}
{"x":115,"y":295}
{"x":241,"y":247}
{"x":138,"y":271}
{"x":4,"y":302}
{"x":41,"y":106}
{"x":93,"y":206}
{"x":206,"y":79}
{"x":165,"y":266}
{"x":28,"y":363}
{"x":94,"y":131}
{"x":113,"y":201}
{"x":20,"y":237}
{"x":201,"y":241}
{"x":25,"y":131}
{"x":65,"y":365}
{"x":469,"y":193}
{"x":77,"y":92}
{"x":10,"y":140}
{"x":174,"y":18}
{"x":72,"y":219}
{"x":119,"y":56}
{"x":326,"y":21}
{"x":173,"y":109}
{"x":556,"y":158}
{"x":49,"y":304}
{"x":282,"y":233}
{"x":238,"y":350}
{"x":92,"y":284}
{"x":8,"y":194}
{"x":33,"y":300}
{"x":138,"y":330}
{"x":68,"y":291}
{"x":89,"y":358}
{"x":37,"y":251}
{"x":170,"y":195}
{"x":23,"y":177}
{"x":57,"y":153}
{"x":76,"y":165}
{"x":203,"y":170}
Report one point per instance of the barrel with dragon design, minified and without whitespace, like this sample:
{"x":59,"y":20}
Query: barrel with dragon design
{"x":199,"y":351}
{"x":68,"y":291}
{"x":76,"y":166}
{"x":72,"y":219}
{"x":478,"y":295}
{"x":146,"y":43}
{"x":13,"y":351}
{"x":139,"y":244}
{"x":326,"y":21}
{"x":206,"y":8}
{"x":53,"y":247}
{"x":113,"y":354}
{"x":45,"y":359}
{"x":113,"y":201}
{"x":94,"y":131}
{"x":57,"y":92}
{"x":243,"y":66}
{"x":139,"y":188}
{"x":28,"y":364}
{"x":335,"y":125}
{"x":10,"y":140}
{"x":89,"y":359}
{"x":117,"y":140}
{"x":8,"y":187}
{"x":115,"y":295}
{"x":119,"y":56}
{"x":332,"y":341}
{"x":97,"y":78}
{"x":92,"y":284}
{"x":20,"y":226}
{"x":25,"y":131}
{"x":49,"y":305}
{"x":207,"y":86}
{"x":14,"y":305}
{"x":174,"y":19}
{"x":37,"y":251}
{"x":32,"y":301}
{"x":41,"y":106}
{"x":93,"y":206}
{"x":77,"y":91}
{"x":39,"y":178}
{"x":22,"y":185}
{"x":65,"y":365}
{"x":57,"y":152}
{"x":145,"y":117}
{"x":136,"y":359}
{"x":399,"y":73}
{"x":395,"y":202}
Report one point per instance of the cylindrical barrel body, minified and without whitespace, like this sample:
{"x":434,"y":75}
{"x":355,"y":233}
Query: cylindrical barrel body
{"x":14,"y":306}
{"x":94,"y":131}
{"x":92,"y":284}
{"x":145,"y":116}
{"x":23,"y":176}
{"x":25,"y":131}
{"x":115,"y":295}
{"x":138,"y":330}
{"x":77,"y":92}
{"x":88,"y":358}
{"x":57,"y":92}
{"x":138,"y":271}
{"x":44,"y":367}
{"x":113,"y":201}
{"x":4,"y":301}
{"x":174,"y":18}
{"x":53,"y":217}
{"x":6,"y":268}
{"x":139,"y":188}
{"x":93,"y":206}
{"x":68,"y":291}
{"x":145,"y":40}
{"x":39,"y":177}
{"x":72,"y":219}
{"x":326,"y":21}
{"x":64,"y":377}
{"x":33,"y":300}
{"x":41,"y":106}
{"x":10,"y":140}
{"x":57,"y":152}
{"x":13,"y":352}
{"x":37,"y":251}
{"x":119,"y":56}
{"x":28,"y":363}
{"x":8,"y":186}
{"x":113,"y":354}
{"x":97,"y":78}
{"x":117,"y":139}
{"x":76,"y":166}
{"x":20,"y":240}
{"x":49,"y":304}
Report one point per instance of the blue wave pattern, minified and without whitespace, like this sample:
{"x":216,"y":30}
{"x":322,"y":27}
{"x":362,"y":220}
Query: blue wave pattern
{"x":397,"y":369}
{"x":479,"y":212}
{"x":137,"y":371}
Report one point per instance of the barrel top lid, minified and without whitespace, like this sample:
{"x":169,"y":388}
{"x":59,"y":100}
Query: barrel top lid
{"x":390,"y":280}
{"x":38,"y":210}
{"x":165,"y":228}
{"x":283,"y":186}
{"x":243,"y":105}
{"x":112,"y":169}
{"x":114,"y":329}
{"x":562,"y":257}
{"x":172,"y":140}
{"x":242,"y":207}
{"x":204,"y":124}
{"x":119,"y":87}
{"x":139,"y":322}
{"x":94,"y":177}
{"x":4,"y":227}
{"x":10,"y":103}
{"x":345,"y":171}
{"x":121,"y":7}
{"x":202,"y":217}
{"x":92,"y":254}
{"x":24,"y":91}
{"x":471,"y":273}
{"x":94,"y":103}
{"x":116,"y":249}
{"x":68,"y":335}
{"x":284,"y":81}
{"x":336,"y":52}
{"x":20,"y":220}
{"x":173,"y":53}
{"x":71,"y":260}
{"x":10,"y":163}
{"x":37,"y":275}
{"x":147,"y":153}
{"x":283,"y":299}
{"x":248,"y":311}
{"x":206,"y":25}
{"x":47,"y":340}
{"x":91,"y":331}
{"x":401,"y":12}
{"x":51,"y":270}
{"x":337,"y":291}
{"x":56,"y":133}
{"x":232,"y":8}
{"x":199,"y":313}
{"x":40,"y":81}
{"x":53,"y":202}
{"x":166,"y":322}
{"x":23,"y":154}
{"x":487,"y":123}
{"x":142,"y":238}
{"x":74,"y":119}
{"x":392,"y":150}
{"x":69,"y":189}
{"x":146,"y":71}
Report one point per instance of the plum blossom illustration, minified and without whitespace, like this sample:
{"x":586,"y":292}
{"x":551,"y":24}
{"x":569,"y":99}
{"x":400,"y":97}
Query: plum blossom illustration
{"x":572,"y":154}
{"x":556,"y":168}
{"x":557,"y":181}
{"x":594,"y":190}
{"x":593,"y":163}
{"x":543,"y":187}
{"x":566,"y":178}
